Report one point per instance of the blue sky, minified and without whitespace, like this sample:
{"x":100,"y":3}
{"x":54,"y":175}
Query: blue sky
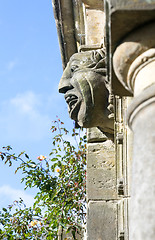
{"x":30,"y":70}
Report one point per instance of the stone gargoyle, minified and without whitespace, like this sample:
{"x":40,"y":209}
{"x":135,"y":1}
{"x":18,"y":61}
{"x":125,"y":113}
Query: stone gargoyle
{"x":87,"y":91}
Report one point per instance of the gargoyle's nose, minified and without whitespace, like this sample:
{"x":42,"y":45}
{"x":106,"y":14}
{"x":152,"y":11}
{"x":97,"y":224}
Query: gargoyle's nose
{"x":64,"y":85}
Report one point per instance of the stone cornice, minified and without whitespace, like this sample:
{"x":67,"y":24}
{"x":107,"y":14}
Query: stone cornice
{"x":79,"y":23}
{"x":64,"y":17}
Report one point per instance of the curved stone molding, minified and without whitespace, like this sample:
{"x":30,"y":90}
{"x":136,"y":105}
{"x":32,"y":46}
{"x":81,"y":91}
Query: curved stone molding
{"x":87,"y":91}
{"x":140,"y":102}
{"x":140,"y":62}
{"x":135,"y":44}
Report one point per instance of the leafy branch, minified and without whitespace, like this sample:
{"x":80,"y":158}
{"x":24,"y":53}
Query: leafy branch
{"x":60,"y":180}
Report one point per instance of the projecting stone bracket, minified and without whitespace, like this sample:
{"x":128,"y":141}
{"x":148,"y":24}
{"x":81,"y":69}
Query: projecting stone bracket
{"x":83,"y":48}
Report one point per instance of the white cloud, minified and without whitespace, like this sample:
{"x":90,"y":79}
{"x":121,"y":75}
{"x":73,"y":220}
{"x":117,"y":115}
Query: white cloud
{"x":23,"y":117}
{"x":9,"y":194}
{"x":26,"y":103}
{"x":11,"y":65}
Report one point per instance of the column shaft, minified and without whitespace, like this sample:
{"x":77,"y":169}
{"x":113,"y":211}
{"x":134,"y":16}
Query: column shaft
{"x":142,"y":209}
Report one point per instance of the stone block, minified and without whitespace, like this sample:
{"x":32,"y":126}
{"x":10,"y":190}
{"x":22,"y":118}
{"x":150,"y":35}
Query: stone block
{"x":95,"y":135}
{"x":102,"y":220}
{"x":94,"y":26}
{"x":101,"y":171}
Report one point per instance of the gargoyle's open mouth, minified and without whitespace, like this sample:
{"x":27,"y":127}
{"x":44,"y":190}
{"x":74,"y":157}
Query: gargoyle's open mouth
{"x":73,"y":105}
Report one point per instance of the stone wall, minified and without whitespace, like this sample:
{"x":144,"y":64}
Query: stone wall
{"x":101,"y":189}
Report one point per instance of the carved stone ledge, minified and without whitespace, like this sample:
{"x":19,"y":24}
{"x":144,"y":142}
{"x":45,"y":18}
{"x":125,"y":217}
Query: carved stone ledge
{"x":94,"y":4}
{"x":94,"y":135}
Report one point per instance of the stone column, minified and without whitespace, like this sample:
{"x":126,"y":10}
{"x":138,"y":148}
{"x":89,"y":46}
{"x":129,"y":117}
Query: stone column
{"x":142,"y":122}
{"x":134,"y":65}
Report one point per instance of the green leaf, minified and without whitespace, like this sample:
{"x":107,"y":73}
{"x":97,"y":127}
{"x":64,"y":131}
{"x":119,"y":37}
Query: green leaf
{"x":4,"y":209}
{"x":26,"y":155}
{"x":54,"y":159}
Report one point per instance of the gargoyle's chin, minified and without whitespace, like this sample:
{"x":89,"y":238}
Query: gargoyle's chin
{"x":82,"y":117}
{"x":74,"y":110}
{"x":77,"y":112}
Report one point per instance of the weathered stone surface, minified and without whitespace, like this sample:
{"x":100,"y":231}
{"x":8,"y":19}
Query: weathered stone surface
{"x":101,"y":171}
{"x":130,"y":56}
{"x":86,"y":91}
{"x":95,"y":135}
{"x":102,"y":220}
{"x":122,"y":219}
{"x":94,"y":24}
{"x":94,"y":4}
{"x":122,"y":17}
{"x":63,"y":12}
{"x":132,"y":4}
{"x":142,"y":121}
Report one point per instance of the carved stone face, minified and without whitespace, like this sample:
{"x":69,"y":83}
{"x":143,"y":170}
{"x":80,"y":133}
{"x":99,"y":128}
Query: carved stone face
{"x":83,"y":83}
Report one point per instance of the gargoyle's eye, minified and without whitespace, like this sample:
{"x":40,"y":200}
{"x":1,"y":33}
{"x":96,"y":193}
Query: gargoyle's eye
{"x":74,"y":68}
